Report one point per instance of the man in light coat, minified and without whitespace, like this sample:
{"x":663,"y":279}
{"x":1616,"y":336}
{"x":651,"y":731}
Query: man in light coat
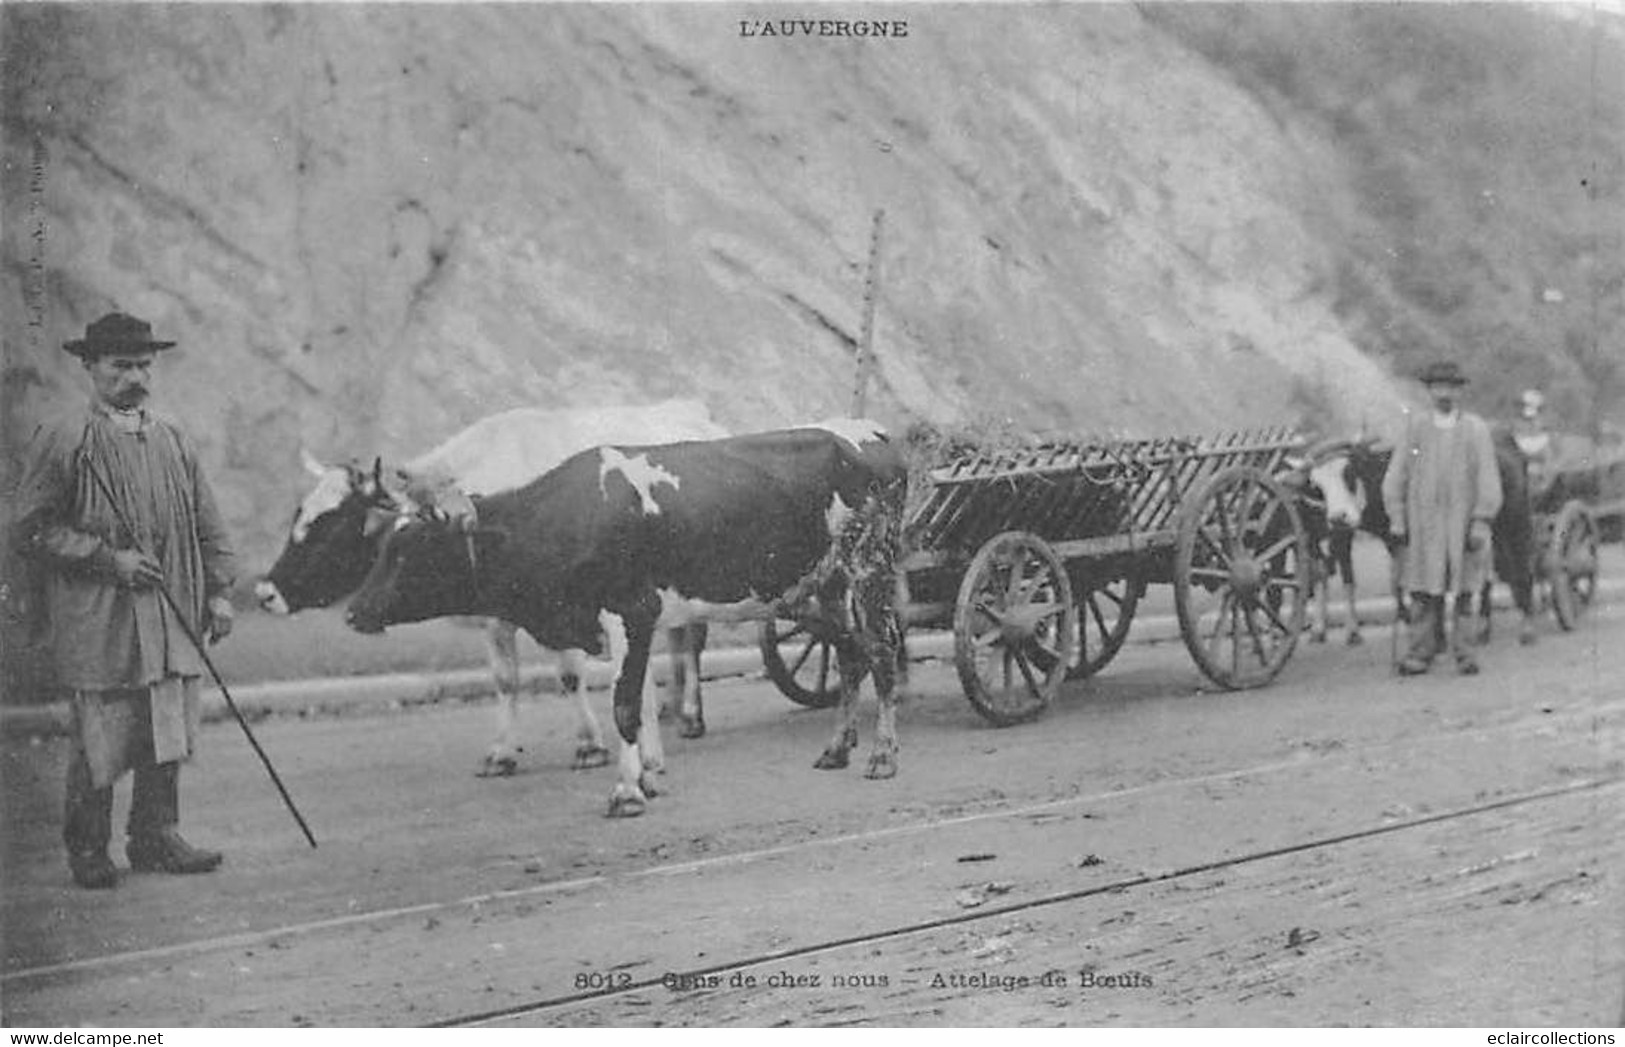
{"x":114,"y":506}
{"x":1442,"y":491}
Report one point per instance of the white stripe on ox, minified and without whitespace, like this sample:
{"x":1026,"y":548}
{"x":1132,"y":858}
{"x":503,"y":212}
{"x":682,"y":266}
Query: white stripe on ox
{"x":638,"y":471}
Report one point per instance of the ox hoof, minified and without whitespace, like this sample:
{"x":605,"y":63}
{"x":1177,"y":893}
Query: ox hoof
{"x":1317,"y":637}
{"x":882,"y":765}
{"x":625,"y":804}
{"x":831,"y":760}
{"x":1526,"y":637}
{"x":590,"y":756}
{"x":693,"y":727}
{"x":499,"y":767}
{"x":1355,"y":639}
{"x":646,"y":784}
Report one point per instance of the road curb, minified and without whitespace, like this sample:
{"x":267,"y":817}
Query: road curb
{"x":351,"y":695}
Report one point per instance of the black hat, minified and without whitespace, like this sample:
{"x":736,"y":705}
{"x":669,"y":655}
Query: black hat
{"x":115,"y":333}
{"x":1442,"y":372}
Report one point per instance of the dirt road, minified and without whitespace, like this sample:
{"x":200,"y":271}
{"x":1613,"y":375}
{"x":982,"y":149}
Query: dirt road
{"x":1340,"y":848}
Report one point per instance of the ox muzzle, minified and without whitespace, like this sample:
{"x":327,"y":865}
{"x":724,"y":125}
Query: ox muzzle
{"x":270,"y":597}
{"x":363,"y":619}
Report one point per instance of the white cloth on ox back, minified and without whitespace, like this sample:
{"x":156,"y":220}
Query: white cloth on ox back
{"x":512,"y":448}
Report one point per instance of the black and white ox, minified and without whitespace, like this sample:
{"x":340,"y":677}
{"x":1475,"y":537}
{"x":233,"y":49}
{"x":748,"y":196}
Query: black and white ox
{"x":1341,"y":486}
{"x":338,"y":528}
{"x":801,"y":523}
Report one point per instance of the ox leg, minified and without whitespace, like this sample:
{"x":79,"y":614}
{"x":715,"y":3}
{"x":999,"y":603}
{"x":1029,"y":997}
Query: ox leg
{"x":649,"y":744}
{"x":686,"y":644}
{"x":1342,"y":543}
{"x":633,"y":635}
{"x":1320,"y":577}
{"x":848,"y":664}
{"x":1523,"y":594}
{"x":1351,"y":593}
{"x":590,"y":749}
{"x":502,"y":652}
{"x":652,"y":753}
{"x":876,"y":644}
{"x":885,"y":661}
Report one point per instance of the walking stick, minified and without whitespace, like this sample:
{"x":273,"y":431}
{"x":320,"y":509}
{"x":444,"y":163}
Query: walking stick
{"x":203,"y":653}
{"x":1393,"y":638}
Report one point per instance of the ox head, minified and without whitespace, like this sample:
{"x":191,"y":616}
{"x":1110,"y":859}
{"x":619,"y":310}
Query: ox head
{"x":426,"y":568}
{"x":1343,"y":480}
{"x":1342,"y":488}
{"x":332,"y":540}
{"x":870,"y":465}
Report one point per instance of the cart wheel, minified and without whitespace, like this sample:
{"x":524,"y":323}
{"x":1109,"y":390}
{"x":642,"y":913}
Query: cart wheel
{"x":1104,"y":614}
{"x":1241,"y":577}
{"x":801,"y":663}
{"x":1573,"y":573}
{"x":1013,"y":627}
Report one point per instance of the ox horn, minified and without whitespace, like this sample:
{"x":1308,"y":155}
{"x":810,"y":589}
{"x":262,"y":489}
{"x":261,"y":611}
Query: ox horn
{"x":312,"y":466}
{"x":375,"y":478}
{"x":379,"y":520}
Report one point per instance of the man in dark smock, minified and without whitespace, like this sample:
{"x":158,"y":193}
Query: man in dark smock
{"x":127,"y":667}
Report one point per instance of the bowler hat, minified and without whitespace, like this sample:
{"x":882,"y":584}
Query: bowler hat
{"x":1442,"y":372}
{"x":115,"y":333}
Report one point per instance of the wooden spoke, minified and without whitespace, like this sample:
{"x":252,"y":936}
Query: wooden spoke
{"x":1261,"y":577}
{"x":1014,"y":625}
{"x":806,"y":651}
{"x":1573,"y":556}
{"x":1106,"y":609}
{"x":1275,"y":619}
{"x":787,"y":658}
{"x":1286,"y":542}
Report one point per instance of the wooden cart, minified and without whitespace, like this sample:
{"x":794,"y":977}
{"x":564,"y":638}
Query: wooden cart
{"x":1038,"y":558}
{"x":1575,"y":510}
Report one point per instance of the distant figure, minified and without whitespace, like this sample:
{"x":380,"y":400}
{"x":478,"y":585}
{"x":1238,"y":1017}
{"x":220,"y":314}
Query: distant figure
{"x":113,"y":504}
{"x":1534,"y":439}
{"x":1442,"y":490}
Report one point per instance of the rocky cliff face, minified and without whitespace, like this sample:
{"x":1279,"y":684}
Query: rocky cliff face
{"x":368,"y":225}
